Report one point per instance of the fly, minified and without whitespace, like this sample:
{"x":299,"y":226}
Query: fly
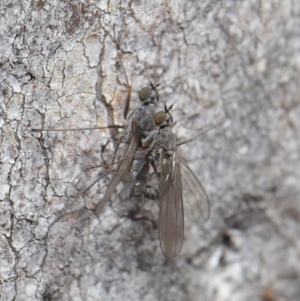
{"x":133,"y":168}
{"x":140,"y":126}
{"x":169,"y":167}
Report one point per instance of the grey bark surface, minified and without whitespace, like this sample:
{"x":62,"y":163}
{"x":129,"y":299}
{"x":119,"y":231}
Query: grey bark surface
{"x":231,"y":61}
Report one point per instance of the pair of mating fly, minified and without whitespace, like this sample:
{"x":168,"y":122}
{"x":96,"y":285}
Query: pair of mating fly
{"x":149,"y":141}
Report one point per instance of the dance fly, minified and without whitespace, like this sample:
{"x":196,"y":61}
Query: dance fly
{"x":169,"y":168}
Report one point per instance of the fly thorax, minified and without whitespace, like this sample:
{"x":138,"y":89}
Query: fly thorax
{"x":146,"y":122}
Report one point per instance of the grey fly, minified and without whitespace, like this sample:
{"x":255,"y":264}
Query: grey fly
{"x":132,"y":169}
{"x":169,"y":168}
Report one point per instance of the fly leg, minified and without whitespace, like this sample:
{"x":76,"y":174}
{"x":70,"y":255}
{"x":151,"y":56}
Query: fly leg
{"x":128,"y":86}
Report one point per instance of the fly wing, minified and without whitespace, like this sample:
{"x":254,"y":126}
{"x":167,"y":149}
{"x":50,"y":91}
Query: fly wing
{"x":123,"y":167}
{"x":171,"y":220}
{"x":196,"y":205}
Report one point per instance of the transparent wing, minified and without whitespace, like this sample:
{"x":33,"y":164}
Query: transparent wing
{"x":196,"y":202}
{"x":122,"y":169}
{"x":171,"y":220}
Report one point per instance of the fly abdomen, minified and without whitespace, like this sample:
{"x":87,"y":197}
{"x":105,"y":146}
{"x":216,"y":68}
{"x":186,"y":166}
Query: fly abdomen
{"x":136,"y":180}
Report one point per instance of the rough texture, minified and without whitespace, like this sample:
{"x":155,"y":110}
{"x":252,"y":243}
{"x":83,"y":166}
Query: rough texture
{"x":232,"y":61}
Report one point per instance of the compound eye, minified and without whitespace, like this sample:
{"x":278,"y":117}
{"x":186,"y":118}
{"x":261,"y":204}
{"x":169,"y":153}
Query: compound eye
{"x":160,"y":118}
{"x":145,"y":93}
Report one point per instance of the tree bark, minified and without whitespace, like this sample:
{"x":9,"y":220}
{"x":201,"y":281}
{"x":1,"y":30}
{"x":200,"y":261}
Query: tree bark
{"x":234,"y":64}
